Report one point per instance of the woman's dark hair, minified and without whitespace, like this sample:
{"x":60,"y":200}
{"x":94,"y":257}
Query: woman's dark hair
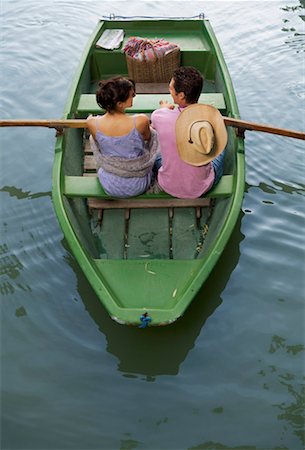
{"x":112,"y":91}
{"x":189,"y":81}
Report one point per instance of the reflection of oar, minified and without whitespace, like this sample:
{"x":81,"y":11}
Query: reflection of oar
{"x":241,"y":125}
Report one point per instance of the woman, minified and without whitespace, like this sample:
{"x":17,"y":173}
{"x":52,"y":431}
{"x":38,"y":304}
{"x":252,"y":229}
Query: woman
{"x":124,"y":160}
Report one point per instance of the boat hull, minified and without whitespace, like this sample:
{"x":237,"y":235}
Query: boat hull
{"x":146,"y":259}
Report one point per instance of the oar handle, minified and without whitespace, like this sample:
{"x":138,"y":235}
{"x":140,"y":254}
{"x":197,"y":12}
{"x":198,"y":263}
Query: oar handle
{"x":243,"y":125}
{"x":68,"y":123}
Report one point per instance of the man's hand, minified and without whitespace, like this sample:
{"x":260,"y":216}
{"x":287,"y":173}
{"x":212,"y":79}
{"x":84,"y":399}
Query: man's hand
{"x":166,"y":104}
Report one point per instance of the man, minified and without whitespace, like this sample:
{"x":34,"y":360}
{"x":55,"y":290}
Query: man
{"x":176,"y":176}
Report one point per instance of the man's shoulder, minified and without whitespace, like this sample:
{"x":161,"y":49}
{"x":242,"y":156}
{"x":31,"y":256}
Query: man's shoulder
{"x":164,"y":113}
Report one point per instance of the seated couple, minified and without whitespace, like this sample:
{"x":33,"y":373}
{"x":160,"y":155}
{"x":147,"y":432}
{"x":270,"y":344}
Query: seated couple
{"x":181,"y":152}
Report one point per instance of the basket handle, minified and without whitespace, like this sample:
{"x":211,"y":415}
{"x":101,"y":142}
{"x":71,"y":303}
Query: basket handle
{"x":143,"y":48}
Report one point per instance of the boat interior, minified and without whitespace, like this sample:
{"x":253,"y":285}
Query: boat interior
{"x":161,"y":228}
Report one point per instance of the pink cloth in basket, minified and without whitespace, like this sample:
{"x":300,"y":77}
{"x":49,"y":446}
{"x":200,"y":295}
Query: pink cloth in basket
{"x":141,"y":49}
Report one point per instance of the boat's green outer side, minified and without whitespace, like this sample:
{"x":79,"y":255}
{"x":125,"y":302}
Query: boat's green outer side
{"x":88,"y":265}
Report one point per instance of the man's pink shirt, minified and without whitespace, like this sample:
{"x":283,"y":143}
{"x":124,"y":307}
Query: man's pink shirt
{"x":176,"y":177}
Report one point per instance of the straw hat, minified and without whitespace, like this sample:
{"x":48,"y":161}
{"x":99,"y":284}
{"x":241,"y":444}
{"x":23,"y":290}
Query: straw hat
{"x":201,"y":134}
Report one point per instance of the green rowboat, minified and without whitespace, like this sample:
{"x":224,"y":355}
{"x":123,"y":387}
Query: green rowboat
{"x":150,"y":254}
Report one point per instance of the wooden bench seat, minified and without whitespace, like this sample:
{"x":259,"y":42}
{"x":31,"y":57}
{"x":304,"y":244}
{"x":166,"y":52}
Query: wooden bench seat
{"x":145,"y":103}
{"x":90,"y":187}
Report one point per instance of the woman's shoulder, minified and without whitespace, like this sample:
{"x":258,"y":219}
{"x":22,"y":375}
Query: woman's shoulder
{"x":141,"y":119}
{"x":90,"y":119}
{"x":142,"y":125}
{"x":91,"y":123}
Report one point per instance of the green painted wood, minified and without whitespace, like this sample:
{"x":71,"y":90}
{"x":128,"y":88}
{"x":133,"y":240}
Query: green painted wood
{"x":156,"y":286}
{"x":185,"y":233}
{"x":148,"y":236}
{"x":109,"y":239}
{"x":189,"y":39}
{"x":75,"y":186}
{"x":145,"y":103}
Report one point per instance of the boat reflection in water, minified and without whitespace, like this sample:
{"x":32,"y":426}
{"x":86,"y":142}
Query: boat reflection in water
{"x":157,"y":351}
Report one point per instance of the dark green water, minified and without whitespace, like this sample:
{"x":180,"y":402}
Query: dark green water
{"x":230,"y":373}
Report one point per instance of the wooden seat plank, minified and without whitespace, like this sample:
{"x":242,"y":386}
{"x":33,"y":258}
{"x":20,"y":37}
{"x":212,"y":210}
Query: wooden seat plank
{"x":87,"y":147}
{"x":120,"y":203}
{"x":89,"y":162}
{"x":152,"y":88}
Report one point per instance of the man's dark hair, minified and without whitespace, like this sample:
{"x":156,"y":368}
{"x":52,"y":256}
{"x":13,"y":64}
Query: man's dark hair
{"x":189,"y":81}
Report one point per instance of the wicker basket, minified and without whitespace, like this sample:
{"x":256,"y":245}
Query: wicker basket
{"x":159,"y":70}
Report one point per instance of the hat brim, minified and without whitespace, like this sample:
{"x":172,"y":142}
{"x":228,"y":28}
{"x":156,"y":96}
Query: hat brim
{"x":192,"y":114}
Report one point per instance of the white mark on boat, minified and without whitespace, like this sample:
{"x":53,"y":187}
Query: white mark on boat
{"x":149,"y":271}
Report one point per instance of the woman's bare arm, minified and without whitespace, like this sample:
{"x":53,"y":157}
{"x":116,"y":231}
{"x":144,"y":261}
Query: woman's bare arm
{"x":142,"y":125}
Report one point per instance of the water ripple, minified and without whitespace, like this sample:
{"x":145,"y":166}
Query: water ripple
{"x":64,"y":360}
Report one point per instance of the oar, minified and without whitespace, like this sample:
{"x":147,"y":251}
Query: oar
{"x":64,"y":123}
{"x":241,"y":125}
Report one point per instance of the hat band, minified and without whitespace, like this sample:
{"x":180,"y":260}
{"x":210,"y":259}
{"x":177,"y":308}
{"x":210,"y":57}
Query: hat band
{"x":190,"y":130}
